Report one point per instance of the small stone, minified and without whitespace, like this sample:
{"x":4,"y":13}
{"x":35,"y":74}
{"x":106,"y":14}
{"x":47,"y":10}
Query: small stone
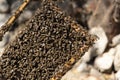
{"x":88,"y":56}
{"x":79,"y":76}
{"x":117,"y":75}
{"x":95,"y":72}
{"x":6,"y":39}
{"x":3,"y":18}
{"x":101,"y":43}
{"x":4,"y":7}
{"x":91,"y":78}
{"x":1,"y":51}
{"x":73,"y":76}
{"x":82,"y":67}
{"x":116,"y":40}
{"x":23,"y":16}
{"x":117,"y":58}
{"x":110,"y":76}
{"x":104,"y":62}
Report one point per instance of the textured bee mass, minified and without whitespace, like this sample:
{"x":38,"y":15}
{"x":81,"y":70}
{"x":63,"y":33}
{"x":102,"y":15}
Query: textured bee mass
{"x":42,"y":48}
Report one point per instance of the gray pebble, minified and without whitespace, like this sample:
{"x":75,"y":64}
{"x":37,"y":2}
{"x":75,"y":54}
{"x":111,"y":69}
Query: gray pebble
{"x":3,"y":18}
{"x":117,"y":75}
{"x":104,"y":63}
{"x":4,"y":7}
{"x":116,"y":40}
{"x":101,"y":43}
{"x":117,"y":58}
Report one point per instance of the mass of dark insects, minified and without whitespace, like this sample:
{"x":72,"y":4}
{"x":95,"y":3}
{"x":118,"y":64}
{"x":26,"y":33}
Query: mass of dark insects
{"x":46,"y":48}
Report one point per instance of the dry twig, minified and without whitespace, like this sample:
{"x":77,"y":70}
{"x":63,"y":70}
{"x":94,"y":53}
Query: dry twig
{"x":13,"y":18}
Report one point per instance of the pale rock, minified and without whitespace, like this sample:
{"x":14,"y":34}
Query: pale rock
{"x":71,"y":76}
{"x":117,"y":58}
{"x":82,"y":67}
{"x":5,"y":40}
{"x":79,"y":76}
{"x":101,"y":43}
{"x":110,"y":76}
{"x":89,"y":55}
{"x":1,"y":51}
{"x":80,"y":70}
{"x":25,"y":16}
{"x":15,"y":5}
{"x":3,"y":18}
{"x":117,"y":75}
{"x":4,"y":7}
{"x":116,"y":40}
{"x":90,"y":78}
{"x":104,"y":63}
{"x":96,"y":73}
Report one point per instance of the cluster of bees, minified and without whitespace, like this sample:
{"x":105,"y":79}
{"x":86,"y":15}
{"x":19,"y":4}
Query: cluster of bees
{"x":49,"y":45}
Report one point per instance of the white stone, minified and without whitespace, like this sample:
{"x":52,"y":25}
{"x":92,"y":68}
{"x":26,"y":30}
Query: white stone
{"x":25,"y":16}
{"x":90,"y":78}
{"x":4,"y":6}
{"x":117,"y":75}
{"x":116,"y":40}
{"x":105,"y":62}
{"x":3,"y":18}
{"x":117,"y":58}
{"x":4,"y":42}
{"x":82,"y":67}
{"x":101,"y":43}
{"x":79,"y":72}
{"x":79,"y":76}
{"x":95,"y":72}
{"x":89,"y":55}
{"x":1,"y":51}
{"x":9,"y":36}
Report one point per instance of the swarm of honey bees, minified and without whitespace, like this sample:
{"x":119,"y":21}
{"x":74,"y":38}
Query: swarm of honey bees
{"x":46,"y":48}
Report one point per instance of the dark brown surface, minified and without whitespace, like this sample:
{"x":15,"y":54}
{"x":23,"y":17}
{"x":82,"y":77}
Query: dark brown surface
{"x":43,"y":47}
